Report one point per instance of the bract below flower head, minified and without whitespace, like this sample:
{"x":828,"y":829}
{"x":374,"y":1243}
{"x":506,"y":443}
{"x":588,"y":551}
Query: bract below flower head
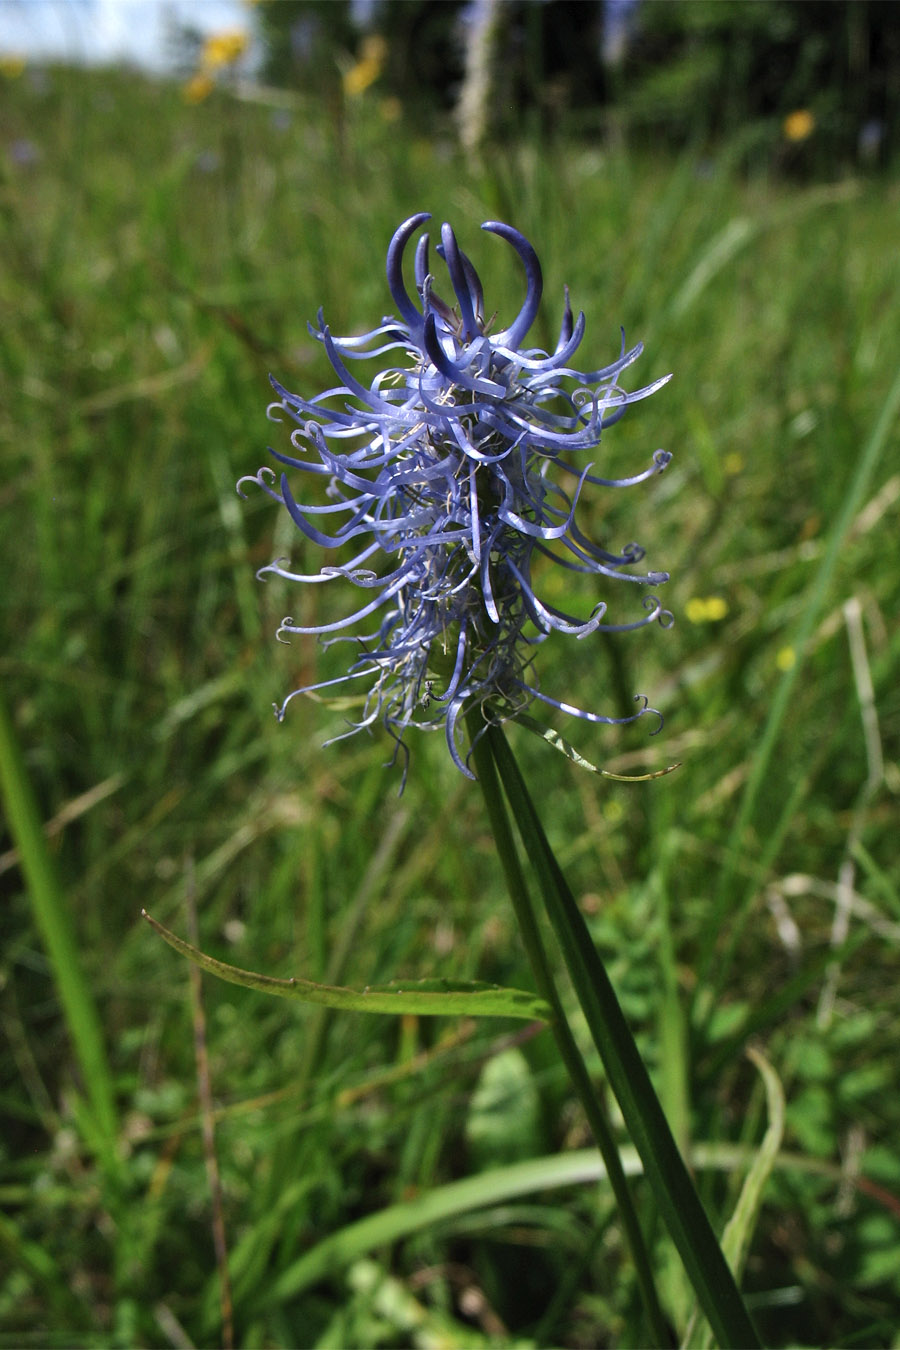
{"x":450,"y":479}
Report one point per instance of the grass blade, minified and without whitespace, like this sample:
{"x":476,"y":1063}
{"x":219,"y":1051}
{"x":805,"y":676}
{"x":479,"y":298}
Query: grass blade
{"x":811,"y":614}
{"x":578,"y":1168}
{"x":739,"y":1229}
{"x":54,"y":924}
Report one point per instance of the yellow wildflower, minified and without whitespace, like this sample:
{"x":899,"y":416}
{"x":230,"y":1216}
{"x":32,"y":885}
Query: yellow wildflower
{"x":372,"y":56}
{"x":798,"y":125}
{"x":223,"y":49}
{"x":707,"y":609}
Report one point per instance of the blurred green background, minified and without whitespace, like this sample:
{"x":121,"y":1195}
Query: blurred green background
{"x":164,"y":243}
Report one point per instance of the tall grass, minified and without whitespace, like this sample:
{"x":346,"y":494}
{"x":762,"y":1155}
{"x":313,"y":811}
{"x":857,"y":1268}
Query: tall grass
{"x":160,"y":261}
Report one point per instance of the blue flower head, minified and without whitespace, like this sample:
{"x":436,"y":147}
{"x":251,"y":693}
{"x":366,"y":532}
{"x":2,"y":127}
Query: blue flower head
{"x":449,"y":479}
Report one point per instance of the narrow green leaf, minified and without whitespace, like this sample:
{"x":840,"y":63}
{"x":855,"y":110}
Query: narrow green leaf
{"x":486,"y":1189}
{"x":443,"y":1202}
{"x":716,"y":255}
{"x":594,"y":1106}
{"x":565,"y":747}
{"x":54,"y":923}
{"x":739,"y":1229}
{"x":428,"y":998}
{"x":675,"y":1194}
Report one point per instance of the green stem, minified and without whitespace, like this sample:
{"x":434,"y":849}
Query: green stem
{"x":664,"y":1168}
{"x":569,"y":1052}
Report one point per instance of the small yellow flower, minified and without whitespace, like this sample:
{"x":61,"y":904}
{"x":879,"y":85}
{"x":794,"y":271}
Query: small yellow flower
{"x":223,"y":49}
{"x":734,"y":464}
{"x":708,"y":609}
{"x":786,"y":659}
{"x":198,"y":87}
{"x":798,"y":125}
{"x":372,"y":56}
{"x":11,"y":65}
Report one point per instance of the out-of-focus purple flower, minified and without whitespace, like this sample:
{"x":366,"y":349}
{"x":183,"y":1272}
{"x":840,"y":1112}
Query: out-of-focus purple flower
{"x":619,"y":22}
{"x":870,"y":140}
{"x":24,"y":152}
{"x":449,"y":478}
{"x":304,"y":36}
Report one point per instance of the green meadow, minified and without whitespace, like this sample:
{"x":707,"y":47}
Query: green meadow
{"x":430,"y":1181}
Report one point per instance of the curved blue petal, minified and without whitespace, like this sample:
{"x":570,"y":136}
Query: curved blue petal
{"x":394,"y":269}
{"x":513,"y":335}
{"x":460,"y":282}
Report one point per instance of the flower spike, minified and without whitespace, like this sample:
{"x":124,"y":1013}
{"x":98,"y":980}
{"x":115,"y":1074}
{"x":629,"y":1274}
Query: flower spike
{"x":444,"y":489}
